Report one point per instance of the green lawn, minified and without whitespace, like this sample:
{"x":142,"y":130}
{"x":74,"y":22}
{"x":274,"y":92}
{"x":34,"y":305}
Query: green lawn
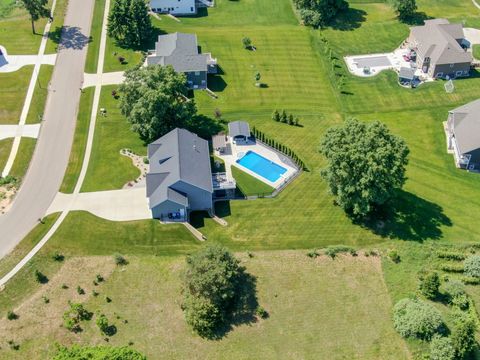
{"x":306,"y":318}
{"x":248,"y":185}
{"x":79,"y":141}
{"x":24,"y":155}
{"x":40,"y":94}
{"x":5,"y":147}
{"x":95,"y":34}
{"x":476,"y":51}
{"x":108,"y":170}
{"x":12,"y":94}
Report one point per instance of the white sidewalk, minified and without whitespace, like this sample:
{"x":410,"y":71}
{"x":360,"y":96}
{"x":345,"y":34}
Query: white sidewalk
{"x":115,"y":205}
{"x":111,"y":78}
{"x":10,"y":131}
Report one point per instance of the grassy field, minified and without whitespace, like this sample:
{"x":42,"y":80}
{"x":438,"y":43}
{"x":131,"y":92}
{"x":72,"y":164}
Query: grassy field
{"x":285,"y":282}
{"x":22,"y":160}
{"x":108,"y":170}
{"x":12,"y":94}
{"x":79,"y":142}
{"x":95,"y":34}
{"x":476,"y":52}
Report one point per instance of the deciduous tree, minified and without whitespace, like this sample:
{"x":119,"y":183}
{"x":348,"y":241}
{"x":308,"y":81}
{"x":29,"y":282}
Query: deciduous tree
{"x":318,"y":13}
{"x":129,"y":23}
{"x":405,"y":8}
{"x":37,"y":10}
{"x":366,"y":164}
{"x":154,"y":101}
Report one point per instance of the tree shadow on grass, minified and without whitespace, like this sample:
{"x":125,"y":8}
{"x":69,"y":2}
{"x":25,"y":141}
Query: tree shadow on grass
{"x":348,"y":20}
{"x":69,"y":37}
{"x":204,"y":126}
{"x":244,"y":306}
{"x":416,"y":19}
{"x":408,"y":217}
{"x":216,"y":83}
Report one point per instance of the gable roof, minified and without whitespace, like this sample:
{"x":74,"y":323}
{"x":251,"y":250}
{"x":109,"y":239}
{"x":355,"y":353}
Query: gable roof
{"x":465,"y":121}
{"x":177,"y":156}
{"x":238,"y":128}
{"x":439,"y":40}
{"x":179,"y":50}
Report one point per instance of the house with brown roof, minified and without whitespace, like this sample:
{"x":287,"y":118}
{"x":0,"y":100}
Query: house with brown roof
{"x":440,"y":49}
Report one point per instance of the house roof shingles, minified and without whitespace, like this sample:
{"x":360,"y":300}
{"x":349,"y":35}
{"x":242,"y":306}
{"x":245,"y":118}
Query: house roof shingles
{"x":177,"y":156}
{"x":179,"y":50}
{"x":439,"y":40}
{"x":238,"y":128}
{"x":466,"y":126}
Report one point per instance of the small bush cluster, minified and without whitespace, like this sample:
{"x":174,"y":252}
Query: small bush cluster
{"x":104,"y":326}
{"x":11,"y":315}
{"x":429,"y":284}
{"x":120,"y":260}
{"x":455,"y":294}
{"x":58,"y":257}
{"x":441,"y":348}
{"x":394,"y":256}
{"x":313,"y":254}
{"x":334,"y":250}
{"x":8,"y":181}
{"x":451,"y":255}
{"x":472,"y":266}
{"x":74,"y":315}
{"x":261,"y":312}
{"x":282,"y":148}
{"x":413,"y":318}
{"x":452,"y":267}
{"x":337,"y":74}
{"x":40,"y":277}
{"x":470,"y":280}
{"x":285,"y":118}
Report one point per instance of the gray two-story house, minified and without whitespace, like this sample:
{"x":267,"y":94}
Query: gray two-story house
{"x":180,"y":177}
{"x":463,"y":133}
{"x":181,"y":51}
{"x":440,"y":49}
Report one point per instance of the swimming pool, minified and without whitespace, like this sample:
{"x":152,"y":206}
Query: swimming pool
{"x":262,"y":166}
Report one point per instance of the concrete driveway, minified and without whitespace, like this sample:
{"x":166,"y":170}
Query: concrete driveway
{"x":11,"y":63}
{"x":472,"y":36}
{"x":116,"y":205}
{"x":10,"y":131}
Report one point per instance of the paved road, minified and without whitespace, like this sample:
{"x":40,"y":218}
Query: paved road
{"x":52,"y":152}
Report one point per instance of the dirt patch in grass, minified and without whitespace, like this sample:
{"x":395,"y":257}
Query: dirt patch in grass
{"x":37,"y":316}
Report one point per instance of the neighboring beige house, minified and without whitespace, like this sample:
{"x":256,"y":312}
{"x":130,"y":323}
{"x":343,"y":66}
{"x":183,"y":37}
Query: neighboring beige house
{"x":463,"y":133}
{"x":439,"y":48}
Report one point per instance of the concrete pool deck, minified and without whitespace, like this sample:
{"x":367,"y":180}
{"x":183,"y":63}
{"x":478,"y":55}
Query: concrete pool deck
{"x":236,"y":151}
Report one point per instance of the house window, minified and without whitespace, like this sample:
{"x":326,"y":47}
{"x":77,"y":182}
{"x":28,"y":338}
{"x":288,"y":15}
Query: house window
{"x":439,"y":75}
{"x":197,"y":73}
{"x":459,"y":73}
{"x":191,"y":9}
{"x":452,"y":65}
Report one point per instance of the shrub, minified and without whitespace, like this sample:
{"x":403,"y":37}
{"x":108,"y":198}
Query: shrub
{"x":247,"y":42}
{"x":455,"y":268}
{"x":441,"y":348}
{"x":313,"y":254}
{"x":45,"y":299}
{"x":394,"y":256}
{"x":311,"y":18}
{"x":453,"y":288}
{"x":74,"y":315}
{"x":472,"y":266}
{"x":120,"y":260}
{"x":146,"y":161}
{"x":450,"y":255}
{"x":80,"y":291}
{"x":64,"y":286}
{"x":276,"y":116}
{"x":463,"y":333}
{"x":102,"y":323}
{"x":13,"y":345}
{"x":202,"y":315}
{"x":261,"y":312}
{"x":429,"y":284}
{"x":58,"y":257}
{"x":413,"y":318}
{"x":334,"y":250}
{"x":99,"y":278}
{"x":460,"y":301}
{"x":40,"y":277}
{"x":11,"y":315}
{"x":470,"y":280}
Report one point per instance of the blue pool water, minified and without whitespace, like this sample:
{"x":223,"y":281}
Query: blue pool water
{"x":261,"y":166}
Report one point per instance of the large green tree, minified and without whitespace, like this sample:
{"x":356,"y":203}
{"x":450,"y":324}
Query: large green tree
{"x":154,"y":100}
{"x":318,"y":13}
{"x":366,"y":164}
{"x":210,"y":286}
{"x":37,"y":9}
{"x":405,"y":9}
{"x":129,"y":23}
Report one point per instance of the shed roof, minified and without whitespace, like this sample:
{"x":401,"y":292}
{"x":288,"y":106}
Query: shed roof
{"x":239,"y":128}
{"x":466,"y":126}
{"x":406,"y":73}
{"x":219,"y":141}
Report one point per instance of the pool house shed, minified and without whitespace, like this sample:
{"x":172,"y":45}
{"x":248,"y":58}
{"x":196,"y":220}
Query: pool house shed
{"x":239,"y":130}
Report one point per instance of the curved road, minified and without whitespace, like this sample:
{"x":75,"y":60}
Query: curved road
{"x":52,"y":152}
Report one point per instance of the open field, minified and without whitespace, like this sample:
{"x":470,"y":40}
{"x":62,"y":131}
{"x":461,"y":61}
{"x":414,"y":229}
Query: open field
{"x":302,"y":324}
